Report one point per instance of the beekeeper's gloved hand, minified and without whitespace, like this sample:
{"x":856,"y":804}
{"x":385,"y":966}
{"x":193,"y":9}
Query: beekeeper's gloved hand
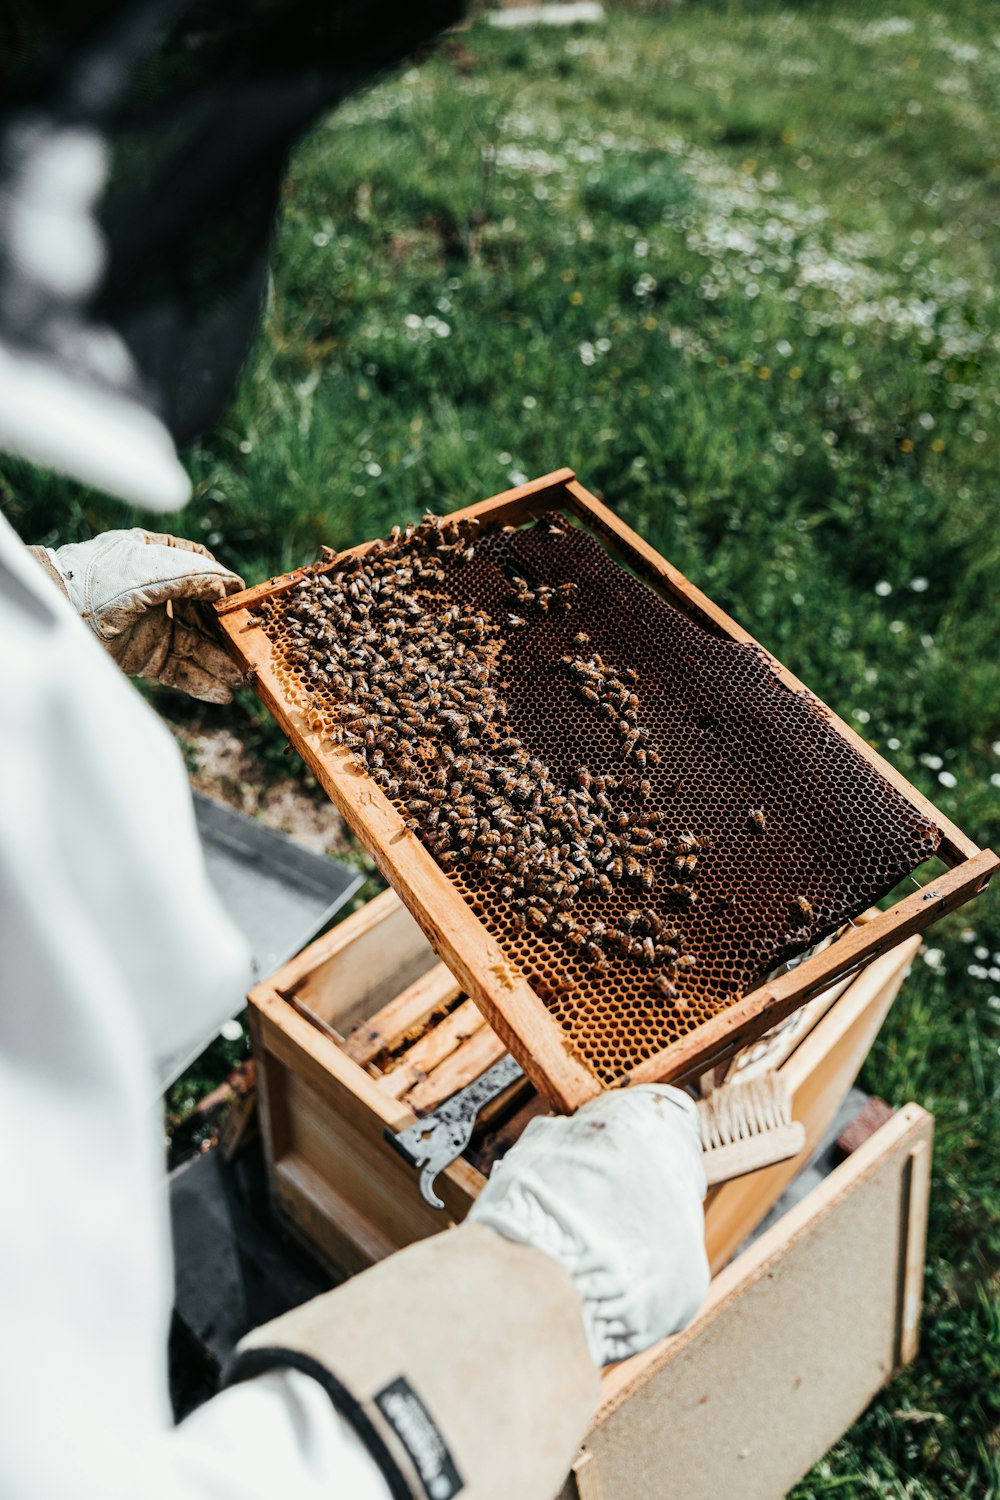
{"x":614,"y":1193}
{"x":145,"y":595}
{"x":463,"y":1361}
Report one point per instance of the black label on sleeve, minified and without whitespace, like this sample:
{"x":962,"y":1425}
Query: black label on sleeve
{"x":415,"y":1427}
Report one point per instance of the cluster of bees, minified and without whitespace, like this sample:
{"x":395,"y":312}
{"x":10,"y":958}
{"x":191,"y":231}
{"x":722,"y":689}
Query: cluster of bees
{"x":540,"y":596}
{"x":411,"y":682}
{"x":612,"y":695}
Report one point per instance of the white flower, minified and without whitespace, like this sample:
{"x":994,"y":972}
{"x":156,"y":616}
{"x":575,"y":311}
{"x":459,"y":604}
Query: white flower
{"x":933,"y":957}
{"x":373,"y":469}
{"x":862,"y":715}
{"x":231,"y":1031}
{"x":977,"y":971}
{"x":529,"y":403}
{"x":883,"y":588}
{"x":893,"y":744}
{"x":995,"y":779}
{"x":947,"y":779}
{"x":587,"y":353}
{"x":981,"y":952}
{"x":932,"y":762}
{"x":919,"y":585}
{"x":413,"y":321}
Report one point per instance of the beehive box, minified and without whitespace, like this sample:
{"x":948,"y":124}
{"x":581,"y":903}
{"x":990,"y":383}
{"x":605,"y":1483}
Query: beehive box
{"x":798,"y":1331}
{"x":364,"y":1031}
{"x":566,"y":903}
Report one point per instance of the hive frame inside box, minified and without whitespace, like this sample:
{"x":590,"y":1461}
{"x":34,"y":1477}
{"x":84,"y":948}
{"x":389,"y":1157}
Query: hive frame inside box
{"x":344,"y":1189}
{"x":472,"y":954}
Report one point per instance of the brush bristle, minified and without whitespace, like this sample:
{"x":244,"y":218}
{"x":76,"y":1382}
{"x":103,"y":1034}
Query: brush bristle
{"x":738,"y":1110}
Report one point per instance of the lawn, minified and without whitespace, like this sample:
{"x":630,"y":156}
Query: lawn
{"x":735,"y":264}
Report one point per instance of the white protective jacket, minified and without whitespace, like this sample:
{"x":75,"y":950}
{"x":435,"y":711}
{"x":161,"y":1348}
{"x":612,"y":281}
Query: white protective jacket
{"x":113,"y":951}
{"x":112,"y":948}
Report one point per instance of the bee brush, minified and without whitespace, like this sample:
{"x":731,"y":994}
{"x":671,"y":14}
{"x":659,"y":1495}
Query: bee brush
{"x":745,"y":1126}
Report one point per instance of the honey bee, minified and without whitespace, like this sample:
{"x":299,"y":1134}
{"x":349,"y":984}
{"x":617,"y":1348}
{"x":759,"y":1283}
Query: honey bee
{"x":664,"y":987}
{"x":616,"y":868}
{"x":756,"y":819}
{"x":582,"y":639}
{"x":633,"y":867}
{"x":536,"y":918}
{"x":687,"y":961}
{"x":647,"y":877}
{"x":800,"y":905}
{"x":516,"y":622}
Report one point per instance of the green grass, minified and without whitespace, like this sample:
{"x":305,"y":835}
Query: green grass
{"x":734,"y":263}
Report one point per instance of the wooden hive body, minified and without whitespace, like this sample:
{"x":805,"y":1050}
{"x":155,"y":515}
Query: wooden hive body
{"x":799,"y":1330}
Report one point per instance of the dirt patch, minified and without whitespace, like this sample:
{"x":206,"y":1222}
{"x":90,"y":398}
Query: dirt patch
{"x":220,"y":766}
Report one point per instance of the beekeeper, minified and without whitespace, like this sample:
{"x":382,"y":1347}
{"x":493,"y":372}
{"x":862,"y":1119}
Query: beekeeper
{"x":465,"y":1365}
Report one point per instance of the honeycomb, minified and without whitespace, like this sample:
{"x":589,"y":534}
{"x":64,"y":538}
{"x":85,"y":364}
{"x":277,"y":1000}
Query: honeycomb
{"x":794,"y":832}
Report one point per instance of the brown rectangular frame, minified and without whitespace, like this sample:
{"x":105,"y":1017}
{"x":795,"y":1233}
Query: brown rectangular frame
{"x":474,"y":956}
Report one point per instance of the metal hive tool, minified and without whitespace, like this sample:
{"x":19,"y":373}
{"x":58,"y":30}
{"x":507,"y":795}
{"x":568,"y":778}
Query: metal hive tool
{"x":798,"y":831}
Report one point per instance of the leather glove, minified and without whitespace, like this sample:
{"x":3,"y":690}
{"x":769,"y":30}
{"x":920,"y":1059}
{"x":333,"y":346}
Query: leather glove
{"x":614,"y":1193}
{"x":145,"y":595}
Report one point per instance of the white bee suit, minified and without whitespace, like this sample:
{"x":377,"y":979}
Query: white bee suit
{"x":113,"y":949}
{"x":467,"y":1363}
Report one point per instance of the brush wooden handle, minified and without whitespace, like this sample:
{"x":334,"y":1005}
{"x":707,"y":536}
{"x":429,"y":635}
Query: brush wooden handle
{"x":738,"y":1158}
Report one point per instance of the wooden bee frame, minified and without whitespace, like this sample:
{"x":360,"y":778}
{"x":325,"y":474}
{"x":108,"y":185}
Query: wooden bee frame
{"x":471,"y":952}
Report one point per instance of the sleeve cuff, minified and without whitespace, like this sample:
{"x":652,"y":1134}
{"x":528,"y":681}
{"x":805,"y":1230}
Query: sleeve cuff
{"x":248,"y":1363}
